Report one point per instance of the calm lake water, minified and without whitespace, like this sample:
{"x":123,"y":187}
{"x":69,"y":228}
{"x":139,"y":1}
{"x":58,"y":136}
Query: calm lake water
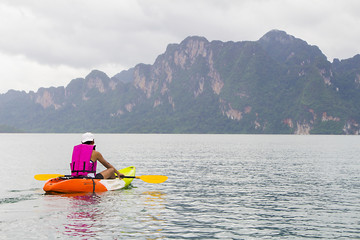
{"x":219,"y":187}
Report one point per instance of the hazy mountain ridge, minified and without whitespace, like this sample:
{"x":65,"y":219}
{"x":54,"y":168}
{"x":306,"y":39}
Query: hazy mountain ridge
{"x":278,"y":84}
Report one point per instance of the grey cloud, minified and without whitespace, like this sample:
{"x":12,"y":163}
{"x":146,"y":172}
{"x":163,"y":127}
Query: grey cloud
{"x":86,"y":34}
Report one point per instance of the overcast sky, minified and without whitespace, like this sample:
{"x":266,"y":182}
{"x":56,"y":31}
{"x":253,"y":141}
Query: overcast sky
{"x":48,"y":43}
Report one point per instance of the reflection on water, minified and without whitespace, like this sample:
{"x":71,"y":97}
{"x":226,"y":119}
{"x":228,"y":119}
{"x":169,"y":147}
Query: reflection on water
{"x":84,"y":215}
{"x":154,"y":196}
{"x":154,"y":200}
{"x":124,"y":214}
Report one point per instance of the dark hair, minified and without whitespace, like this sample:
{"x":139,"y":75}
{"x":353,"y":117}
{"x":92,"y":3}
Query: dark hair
{"x":88,"y":142}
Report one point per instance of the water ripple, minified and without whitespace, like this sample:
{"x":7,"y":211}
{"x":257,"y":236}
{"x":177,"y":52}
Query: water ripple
{"x":219,"y":187}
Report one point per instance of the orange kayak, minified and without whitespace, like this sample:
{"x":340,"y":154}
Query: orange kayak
{"x":84,"y":185}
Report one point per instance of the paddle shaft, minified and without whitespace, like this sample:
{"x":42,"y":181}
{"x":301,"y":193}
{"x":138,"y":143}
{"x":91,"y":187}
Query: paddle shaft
{"x":145,"y":178}
{"x":49,"y":176}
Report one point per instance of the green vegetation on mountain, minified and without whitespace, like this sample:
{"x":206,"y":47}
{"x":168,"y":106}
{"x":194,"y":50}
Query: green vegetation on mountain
{"x":9,"y":129}
{"x":278,"y":84}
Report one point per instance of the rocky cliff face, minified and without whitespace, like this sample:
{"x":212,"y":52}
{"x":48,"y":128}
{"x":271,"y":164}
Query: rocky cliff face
{"x":278,"y":84}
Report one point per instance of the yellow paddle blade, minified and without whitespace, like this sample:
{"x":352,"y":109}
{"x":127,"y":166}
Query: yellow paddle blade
{"x":44,"y":177}
{"x":153,"y":178}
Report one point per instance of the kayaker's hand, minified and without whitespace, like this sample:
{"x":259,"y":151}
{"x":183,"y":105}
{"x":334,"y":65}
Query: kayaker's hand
{"x":121,"y":176}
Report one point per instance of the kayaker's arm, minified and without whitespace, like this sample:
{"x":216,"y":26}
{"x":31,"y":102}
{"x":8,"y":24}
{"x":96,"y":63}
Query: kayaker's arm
{"x":108,"y":165}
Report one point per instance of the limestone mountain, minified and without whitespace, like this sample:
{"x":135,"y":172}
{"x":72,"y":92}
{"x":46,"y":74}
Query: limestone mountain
{"x":278,"y":84}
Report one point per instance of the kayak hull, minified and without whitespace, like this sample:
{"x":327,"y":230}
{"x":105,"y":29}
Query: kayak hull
{"x":85,"y":185}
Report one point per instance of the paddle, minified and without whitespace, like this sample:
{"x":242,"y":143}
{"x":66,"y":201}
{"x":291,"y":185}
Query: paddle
{"x":44,"y":177}
{"x":150,"y":178}
{"x":145,"y":178}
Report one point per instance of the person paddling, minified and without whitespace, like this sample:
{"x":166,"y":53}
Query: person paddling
{"x":84,"y":160}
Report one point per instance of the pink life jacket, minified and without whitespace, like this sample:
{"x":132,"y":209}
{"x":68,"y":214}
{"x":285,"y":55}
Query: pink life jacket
{"x":81,"y":164}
